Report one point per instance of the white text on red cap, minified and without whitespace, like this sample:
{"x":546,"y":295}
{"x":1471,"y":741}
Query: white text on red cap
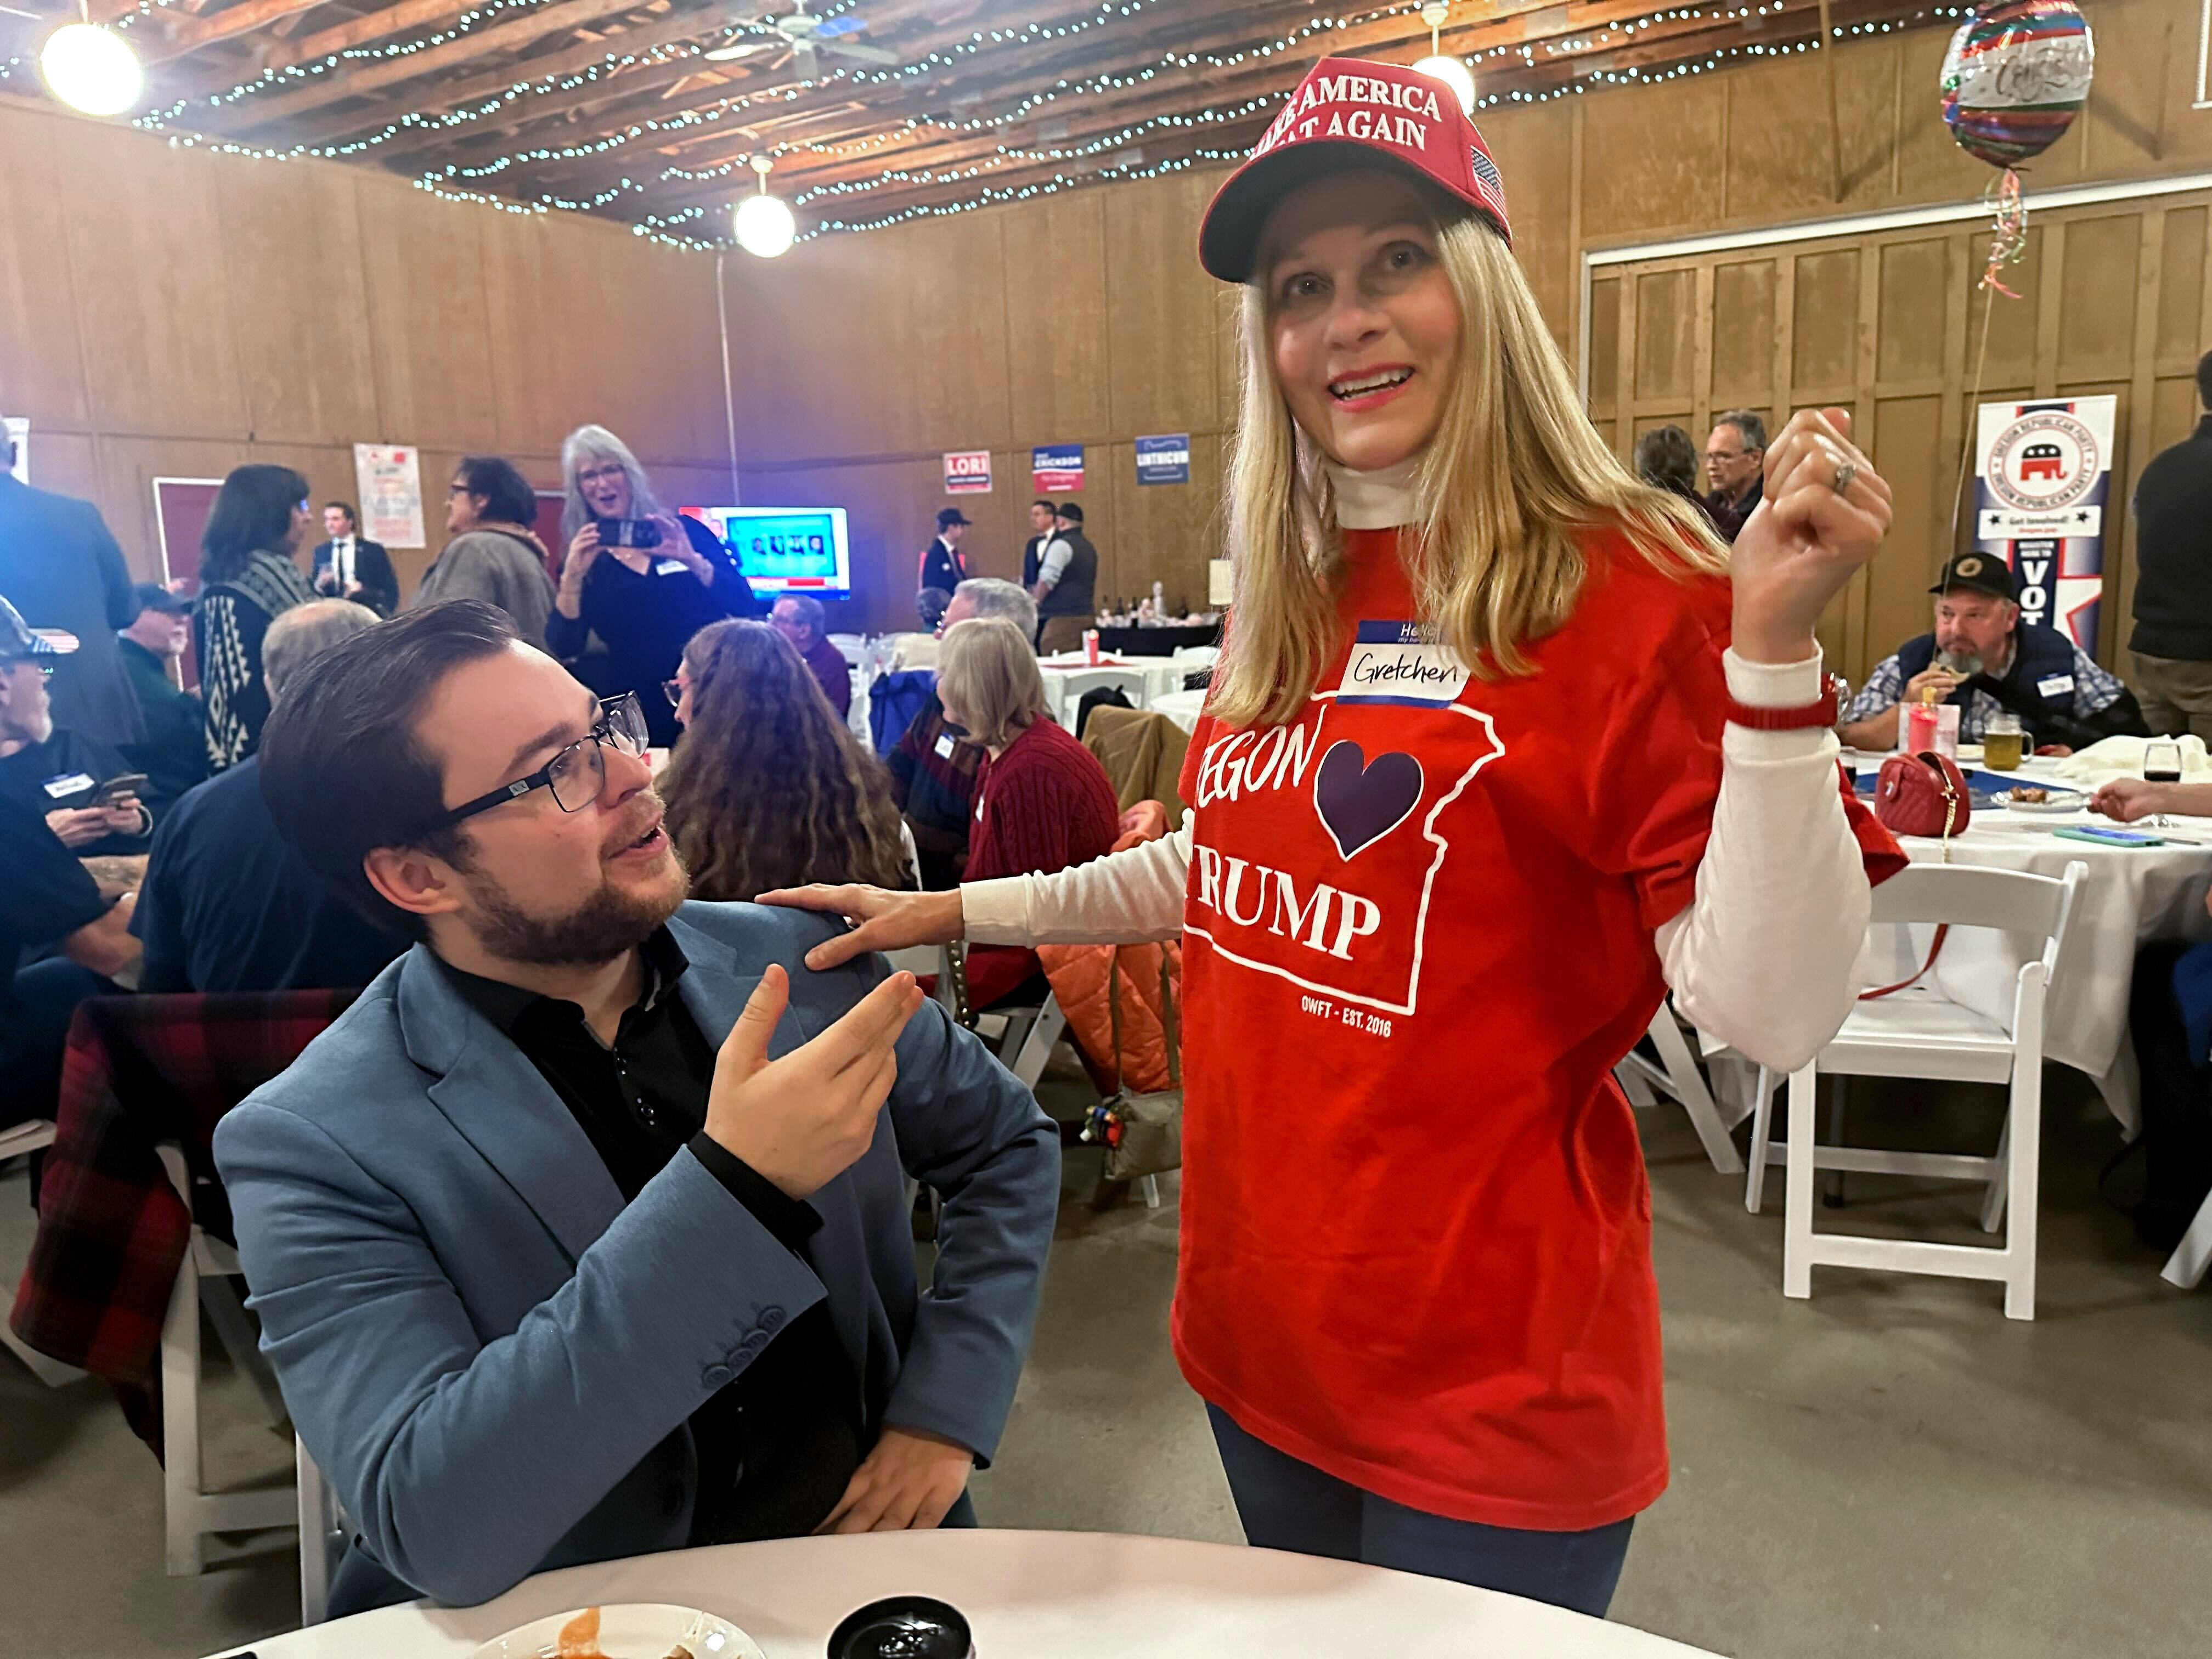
{"x":1302,"y":118}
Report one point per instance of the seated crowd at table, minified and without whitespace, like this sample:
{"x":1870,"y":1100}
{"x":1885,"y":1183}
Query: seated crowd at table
{"x":585,"y":1229}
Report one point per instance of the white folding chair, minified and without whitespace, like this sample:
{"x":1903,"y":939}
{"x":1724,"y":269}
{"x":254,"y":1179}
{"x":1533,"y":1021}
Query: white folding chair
{"x":19,"y":1141}
{"x":1075,"y":682}
{"x":322,"y":1535}
{"x":190,"y":1513}
{"x":1677,"y":1076}
{"x":1919,"y":1032}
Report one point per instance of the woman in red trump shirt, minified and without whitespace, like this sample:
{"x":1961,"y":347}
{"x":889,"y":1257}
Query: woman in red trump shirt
{"x":1504,"y":746}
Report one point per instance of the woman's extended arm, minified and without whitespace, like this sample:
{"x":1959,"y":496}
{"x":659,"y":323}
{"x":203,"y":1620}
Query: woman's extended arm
{"x":1126,"y":897}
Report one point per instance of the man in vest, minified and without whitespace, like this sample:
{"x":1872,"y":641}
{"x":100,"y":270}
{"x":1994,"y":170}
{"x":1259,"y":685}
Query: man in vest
{"x":1983,"y":658}
{"x":1066,"y":580}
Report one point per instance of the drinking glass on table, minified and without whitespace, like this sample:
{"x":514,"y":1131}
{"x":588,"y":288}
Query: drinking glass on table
{"x":2161,"y":764}
{"x":2002,"y":741}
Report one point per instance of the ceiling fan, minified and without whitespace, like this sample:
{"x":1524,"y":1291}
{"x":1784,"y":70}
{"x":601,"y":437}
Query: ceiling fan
{"x":800,"y":37}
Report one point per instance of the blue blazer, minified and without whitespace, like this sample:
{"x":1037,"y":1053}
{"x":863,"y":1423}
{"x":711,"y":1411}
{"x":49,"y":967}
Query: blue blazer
{"x":493,"y":1358}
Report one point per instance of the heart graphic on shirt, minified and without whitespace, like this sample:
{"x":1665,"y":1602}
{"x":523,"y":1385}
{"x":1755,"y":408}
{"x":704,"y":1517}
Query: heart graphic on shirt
{"x":1362,"y":801}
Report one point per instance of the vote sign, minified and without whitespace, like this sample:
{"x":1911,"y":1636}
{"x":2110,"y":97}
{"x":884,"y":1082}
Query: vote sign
{"x":967,"y":472}
{"x":2042,"y":474}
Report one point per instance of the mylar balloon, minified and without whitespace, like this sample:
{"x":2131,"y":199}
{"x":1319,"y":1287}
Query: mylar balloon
{"x":2016,"y":75}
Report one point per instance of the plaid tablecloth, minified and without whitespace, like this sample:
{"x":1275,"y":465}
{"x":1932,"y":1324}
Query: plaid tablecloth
{"x":112,"y":1229}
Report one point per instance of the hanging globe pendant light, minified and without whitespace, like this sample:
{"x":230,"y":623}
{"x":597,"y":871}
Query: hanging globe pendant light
{"x":91,"y":68}
{"x":1438,"y":67}
{"x":764,"y":225}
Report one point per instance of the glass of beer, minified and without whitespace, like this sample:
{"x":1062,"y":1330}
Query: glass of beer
{"x":2001,"y":743}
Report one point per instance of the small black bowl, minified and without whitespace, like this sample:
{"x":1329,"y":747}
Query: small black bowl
{"x":902,"y":1627}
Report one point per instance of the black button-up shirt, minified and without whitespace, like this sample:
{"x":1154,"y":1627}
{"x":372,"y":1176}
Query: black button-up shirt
{"x":777,"y":1445}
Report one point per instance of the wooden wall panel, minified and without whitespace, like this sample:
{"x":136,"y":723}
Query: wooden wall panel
{"x":1743,"y":332}
{"x":1055,"y":316}
{"x":41,"y":346}
{"x":304,"y":363}
{"x":2181,"y":280}
{"x":956,"y":353}
{"x":1664,"y":151}
{"x":1605,"y":347}
{"x":152,"y":281}
{"x":1824,"y":323}
{"x":1666,"y":328}
{"x":1160,"y":311}
{"x":1534,"y":152}
{"x":2097,"y":295}
{"x":429,"y":337}
{"x":1911,"y":344}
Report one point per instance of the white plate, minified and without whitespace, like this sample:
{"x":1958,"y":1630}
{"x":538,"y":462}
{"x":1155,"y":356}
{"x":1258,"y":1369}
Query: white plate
{"x":1969,"y":754}
{"x":634,"y":1629}
{"x":2071,"y":800}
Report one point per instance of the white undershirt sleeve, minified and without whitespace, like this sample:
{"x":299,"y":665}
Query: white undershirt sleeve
{"x":1765,"y":958}
{"x":1054,"y":565}
{"x":1126,"y":899}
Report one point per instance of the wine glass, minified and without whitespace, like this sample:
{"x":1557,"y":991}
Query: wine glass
{"x":2161,"y":764}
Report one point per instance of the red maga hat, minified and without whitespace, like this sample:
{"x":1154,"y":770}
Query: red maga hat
{"x":1349,"y":112}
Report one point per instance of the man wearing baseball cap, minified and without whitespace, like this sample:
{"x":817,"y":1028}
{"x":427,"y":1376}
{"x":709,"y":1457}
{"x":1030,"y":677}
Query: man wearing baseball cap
{"x":1981,"y":656}
{"x":942,"y":567}
{"x":48,"y":903}
{"x":173,"y":755}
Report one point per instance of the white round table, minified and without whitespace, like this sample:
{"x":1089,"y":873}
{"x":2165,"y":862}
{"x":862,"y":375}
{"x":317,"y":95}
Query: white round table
{"x":1026,"y":1595}
{"x":2131,"y":896}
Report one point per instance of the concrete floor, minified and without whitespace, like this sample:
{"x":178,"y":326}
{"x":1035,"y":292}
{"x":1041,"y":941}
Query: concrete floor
{"x":1891,"y":1468}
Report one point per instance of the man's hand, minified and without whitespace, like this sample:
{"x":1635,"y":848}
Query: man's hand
{"x":1936,"y":675}
{"x":910,"y":1480}
{"x":353,"y":590}
{"x":887,"y":920}
{"x":1807,"y":539}
{"x":805,"y":1119}
{"x":80,"y":826}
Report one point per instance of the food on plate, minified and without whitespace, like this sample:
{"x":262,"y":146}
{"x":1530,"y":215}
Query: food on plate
{"x":2029,"y":797}
{"x":580,"y":1639}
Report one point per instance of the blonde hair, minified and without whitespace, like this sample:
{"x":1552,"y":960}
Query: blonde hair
{"x":1513,"y":481}
{"x":986,"y":670}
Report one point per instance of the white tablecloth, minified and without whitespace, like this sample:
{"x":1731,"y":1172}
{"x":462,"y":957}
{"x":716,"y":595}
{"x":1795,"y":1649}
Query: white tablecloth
{"x":1026,"y":1595}
{"x":2131,"y":896}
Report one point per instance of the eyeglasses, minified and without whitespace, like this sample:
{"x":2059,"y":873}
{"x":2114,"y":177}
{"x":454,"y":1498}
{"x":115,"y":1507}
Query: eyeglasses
{"x":1712,"y":455}
{"x":674,"y":689}
{"x":575,"y":775}
{"x":8,"y":665}
{"x":600,"y":474}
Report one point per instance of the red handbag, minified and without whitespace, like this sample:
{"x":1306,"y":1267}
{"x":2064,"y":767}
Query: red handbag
{"x":1922,"y":794}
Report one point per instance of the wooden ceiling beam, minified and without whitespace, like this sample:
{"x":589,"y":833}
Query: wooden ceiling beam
{"x":203,"y":30}
{"x":262,"y":112}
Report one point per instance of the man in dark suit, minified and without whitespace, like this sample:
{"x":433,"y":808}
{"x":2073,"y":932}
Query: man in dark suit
{"x":348,"y":567}
{"x":63,"y":571}
{"x":585,"y":1232}
{"x":942,"y":566}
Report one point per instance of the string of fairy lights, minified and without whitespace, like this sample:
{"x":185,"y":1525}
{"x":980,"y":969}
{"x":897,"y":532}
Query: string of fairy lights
{"x":1074,"y":164}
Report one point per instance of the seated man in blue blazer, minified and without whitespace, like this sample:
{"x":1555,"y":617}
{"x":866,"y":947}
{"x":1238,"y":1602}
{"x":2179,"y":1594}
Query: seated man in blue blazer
{"x":585,"y":1231}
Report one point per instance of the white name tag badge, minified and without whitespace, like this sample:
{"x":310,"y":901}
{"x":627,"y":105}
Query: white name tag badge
{"x":68,"y":784}
{"x":1398,"y":662}
{"x":946,"y":743}
{"x":2055,"y":685}
{"x":670,"y":568}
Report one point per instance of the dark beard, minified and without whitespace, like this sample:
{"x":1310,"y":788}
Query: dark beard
{"x":598,"y":930}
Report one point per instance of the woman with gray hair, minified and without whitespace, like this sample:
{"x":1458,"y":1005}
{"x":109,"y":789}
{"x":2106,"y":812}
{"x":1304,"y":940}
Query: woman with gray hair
{"x":641,"y":578}
{"x":1042,"y":801}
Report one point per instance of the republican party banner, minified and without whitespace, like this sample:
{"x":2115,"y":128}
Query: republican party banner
{"x":390,"y":479}
{"x":1164,"y":459}
{"x":967,"y":472}
{"x":2041,"y":476}
{"x":1056,"y":468}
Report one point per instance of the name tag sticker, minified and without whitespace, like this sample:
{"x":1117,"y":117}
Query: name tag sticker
{"x":670,"y":568}
{"x":68,"y":783}
{"x":1400,"y":662}
{"x":2055,"y":685}
{"x":946,"y":743}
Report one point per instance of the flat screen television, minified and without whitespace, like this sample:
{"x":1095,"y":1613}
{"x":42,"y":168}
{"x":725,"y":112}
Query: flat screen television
{"x":786,"y":549}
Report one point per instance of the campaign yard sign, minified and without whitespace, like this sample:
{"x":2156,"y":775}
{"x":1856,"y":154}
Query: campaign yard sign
{"x":1165,"y":459}
{"x":967,"y":472}
{"x":1056,"y":468}
{"x":2041,"y":481}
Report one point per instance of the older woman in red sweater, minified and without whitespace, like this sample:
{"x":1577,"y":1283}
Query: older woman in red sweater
{"x":1043,"y":802}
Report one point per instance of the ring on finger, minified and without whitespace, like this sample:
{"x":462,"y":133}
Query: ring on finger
{"x":1845,"y":472}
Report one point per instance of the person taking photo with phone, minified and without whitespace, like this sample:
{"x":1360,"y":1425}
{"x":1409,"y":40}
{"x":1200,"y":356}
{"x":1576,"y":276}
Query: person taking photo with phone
{"x":638,"y":575}
{"x":1504,"y":746}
